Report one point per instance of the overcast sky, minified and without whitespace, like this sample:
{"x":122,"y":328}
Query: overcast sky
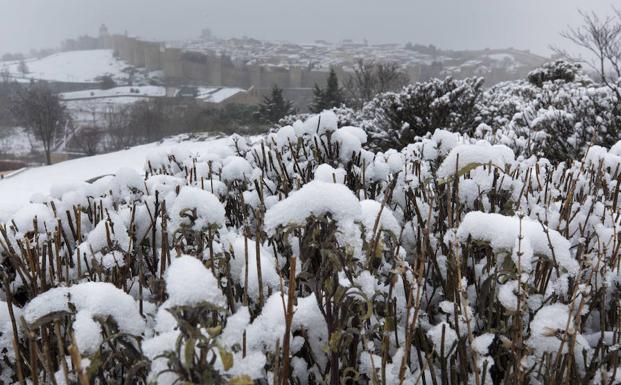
{"x":452,"y":24}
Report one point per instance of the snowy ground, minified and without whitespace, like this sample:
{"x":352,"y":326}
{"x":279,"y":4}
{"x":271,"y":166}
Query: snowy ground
{"x":116,"y":92}
{"x":72,"y":67}
{"x":16,"y":191}
{"x":15,"y":141}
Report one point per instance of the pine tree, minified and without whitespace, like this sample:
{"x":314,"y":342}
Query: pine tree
{"x":318,"y":99}
{"x":275,"y":106}
{"x":331,"y":96}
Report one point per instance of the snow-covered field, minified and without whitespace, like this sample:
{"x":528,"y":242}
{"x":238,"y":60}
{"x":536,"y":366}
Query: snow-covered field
{"x":116,"y":92}
{"x":15,"y":141}
{"x":16,"y":191}
{"x":71,"y":67}
{"x":126,"y":94}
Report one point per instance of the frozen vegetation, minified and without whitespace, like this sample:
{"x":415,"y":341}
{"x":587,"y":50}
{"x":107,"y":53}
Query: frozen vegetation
{"x":349,"y":247}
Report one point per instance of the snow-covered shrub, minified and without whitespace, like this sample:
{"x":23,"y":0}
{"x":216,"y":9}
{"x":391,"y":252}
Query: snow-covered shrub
{"x":396,"y":118}
{"x":557,"y":113}
{"x":304,"y":257}
{"x":559,"y":70}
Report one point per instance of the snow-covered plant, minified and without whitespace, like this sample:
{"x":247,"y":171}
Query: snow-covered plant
{"x":559,"y":70}
{"x":396,"y":118}
{"x":303,"y":257}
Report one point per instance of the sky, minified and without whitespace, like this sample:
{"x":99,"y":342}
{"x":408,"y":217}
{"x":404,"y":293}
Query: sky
{"x":448,"y":24}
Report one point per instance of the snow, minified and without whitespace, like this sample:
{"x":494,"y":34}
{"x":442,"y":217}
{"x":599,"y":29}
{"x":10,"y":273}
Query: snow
{"x":116,"y":92}
{"x":387,"y":221}
{"x":349,"y":143}
{"x":443,"y":337}
{"x":71,"y":66}
{"x":482,"y":343}
{"x":269,"y":275}
{"x":24,"y":218}
{"x":318,"y":124}
{"x":268,"y":327}
{"x":315,"y":199}
{"x":495,"y":225}
{"x":6,"y":330}
{"x":113,"y":231}
{"x":217,"y":94}
{"x":502,"y":231}
{"x":326,"y":173}
{"x":235,"y":326}
{"x":285,"y":135}
{"x":189,"y":282}
{"x":482,"y":153}
{"x":16,"y":191}
{"x":548,"y":327}
{"x":15,"y":141}
{"x":200,"y":204}
{"x":507,"y":295}
{"x":90,"y":299}
{"x":236,"y":168}
{"x":609,"y":159}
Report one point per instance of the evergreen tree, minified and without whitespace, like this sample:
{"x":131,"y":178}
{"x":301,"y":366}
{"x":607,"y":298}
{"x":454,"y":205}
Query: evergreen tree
{"x":331,"y":96}
{"x":275,"y":106}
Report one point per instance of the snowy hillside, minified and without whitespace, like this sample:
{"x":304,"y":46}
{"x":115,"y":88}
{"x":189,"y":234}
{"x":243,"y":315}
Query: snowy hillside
{"x":115,"y":92}
{"x":71,"y":67}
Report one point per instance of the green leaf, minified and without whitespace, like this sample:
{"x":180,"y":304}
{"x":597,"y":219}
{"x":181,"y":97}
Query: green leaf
{"x":214,"y":331}
{"x":227,"y":359}
{"x":335,"y":339}
{"x":189,"y":352}
{"x":241,"y":380}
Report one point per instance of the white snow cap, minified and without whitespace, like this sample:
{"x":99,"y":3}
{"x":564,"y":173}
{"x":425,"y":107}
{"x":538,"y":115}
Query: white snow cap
{"x":546,"y":324}
{"x":315,"y":198}
{"x":480,"y":153}
{"x":387,"y":221}
{"x":326,"y":173}
{"x":90,"y":299}
{"x":318,"y":124}
{"x":208,"y":208}
{"x":189,"y":282}
{"x":502,"y":231}
{"x":24,"y":218}
{"x":236,"y":168}
{"x":435,"y":334}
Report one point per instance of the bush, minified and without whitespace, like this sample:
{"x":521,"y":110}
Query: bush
{"x":397,"y":118}
{"x":301,"y":257}
{"x":559,"y":70}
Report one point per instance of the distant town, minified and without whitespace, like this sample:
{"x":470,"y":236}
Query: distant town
{"x":100,"y":79}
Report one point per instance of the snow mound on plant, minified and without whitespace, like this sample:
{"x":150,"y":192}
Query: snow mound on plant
{"x":189,"y":282}
{"x":315,"y":199}
{"x":90,"y":300}
{"x":200,"y":204}
{"x":503,"y":231}
{"x":481,"y":153}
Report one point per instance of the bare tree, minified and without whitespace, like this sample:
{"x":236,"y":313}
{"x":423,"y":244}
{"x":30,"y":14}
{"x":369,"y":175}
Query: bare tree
{"x":371,"y":78}
{"x":40,"y":111}
{"x":116,"y":121}
{"x":362,"y":85}
{"x":22,"y":67}
{"x":5,"y":75}
{"x":88,"y":139}
{"x":601,"y":37}
{"x":390,"y":77}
